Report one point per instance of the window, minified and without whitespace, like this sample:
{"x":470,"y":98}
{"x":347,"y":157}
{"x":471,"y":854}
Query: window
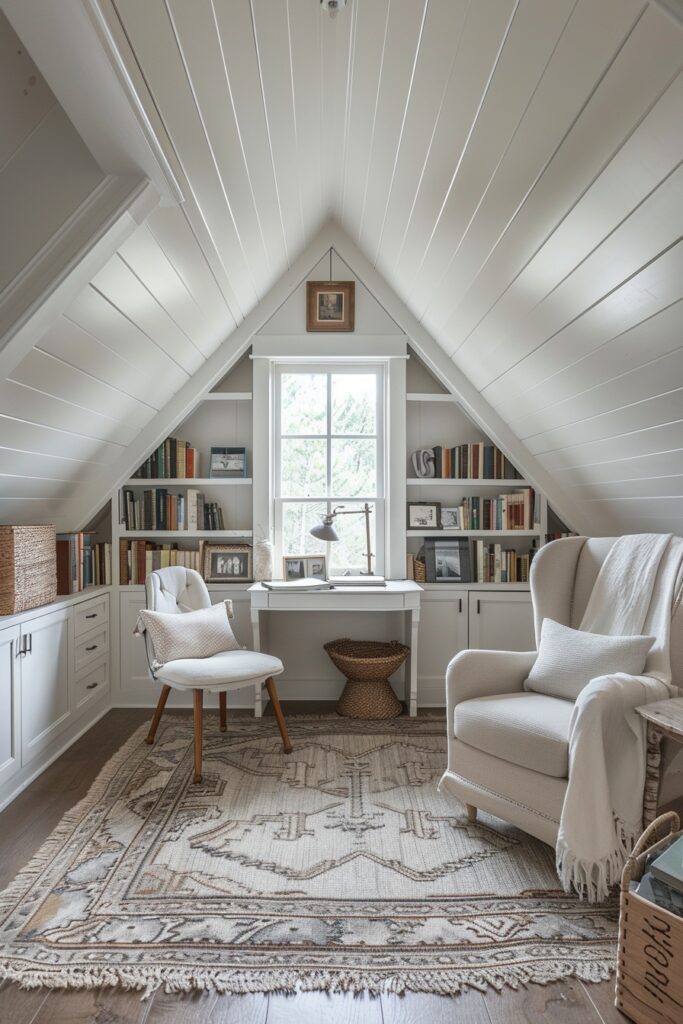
{"x":328,"y":452}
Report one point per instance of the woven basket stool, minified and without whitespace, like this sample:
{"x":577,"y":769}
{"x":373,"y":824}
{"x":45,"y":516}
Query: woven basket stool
{"x":367,"y":665}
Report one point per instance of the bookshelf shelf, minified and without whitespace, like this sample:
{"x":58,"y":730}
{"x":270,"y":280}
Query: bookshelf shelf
{"x":189,"y":482}
{"x":474,"y":533}
{"x":427,"y":481}
{"x":179,"y":534}
{"x":418,"y":396}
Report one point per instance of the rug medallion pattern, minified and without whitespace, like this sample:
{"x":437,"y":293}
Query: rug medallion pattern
{"x":338,"y":866}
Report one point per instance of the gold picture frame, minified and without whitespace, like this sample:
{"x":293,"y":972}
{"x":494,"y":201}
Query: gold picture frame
{"x":330,"y":305}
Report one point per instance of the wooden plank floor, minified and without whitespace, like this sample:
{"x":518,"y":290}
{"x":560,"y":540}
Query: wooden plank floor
{"x":29,"y":820}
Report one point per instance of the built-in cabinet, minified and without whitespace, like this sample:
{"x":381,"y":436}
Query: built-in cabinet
{"x":453,"y":621}
{"x":54,"y":681}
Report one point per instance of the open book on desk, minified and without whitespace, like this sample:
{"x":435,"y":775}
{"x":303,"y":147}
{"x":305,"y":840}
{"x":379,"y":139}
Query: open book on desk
{"x":295,"y":586}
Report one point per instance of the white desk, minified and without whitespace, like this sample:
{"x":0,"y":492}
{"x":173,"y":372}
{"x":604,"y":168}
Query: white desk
{"x":399,"y":596}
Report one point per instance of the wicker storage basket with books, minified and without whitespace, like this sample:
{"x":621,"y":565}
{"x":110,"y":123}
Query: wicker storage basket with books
{"x":649,"y":986}
{"x":28,"y":567}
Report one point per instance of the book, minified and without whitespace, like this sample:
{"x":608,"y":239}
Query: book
{"x":296,"y":586}
{"x":668,"y":867}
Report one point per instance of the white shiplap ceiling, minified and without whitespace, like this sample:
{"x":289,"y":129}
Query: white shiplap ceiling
{"x":512,"y":168}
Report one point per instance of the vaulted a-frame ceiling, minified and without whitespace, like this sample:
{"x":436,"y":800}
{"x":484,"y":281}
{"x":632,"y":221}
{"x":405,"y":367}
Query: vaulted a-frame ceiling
{"x":512,"y":169}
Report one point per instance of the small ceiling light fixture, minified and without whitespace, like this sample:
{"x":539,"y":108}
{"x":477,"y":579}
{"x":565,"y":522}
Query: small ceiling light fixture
{"x":333,"y":7}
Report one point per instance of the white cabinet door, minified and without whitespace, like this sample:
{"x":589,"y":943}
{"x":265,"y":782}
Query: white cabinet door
{"x":135,"y":675}
{"x":44,"y":681}
{"x":10,"y":707}
{"x":501,"y":621}
{"x":442,"y":634}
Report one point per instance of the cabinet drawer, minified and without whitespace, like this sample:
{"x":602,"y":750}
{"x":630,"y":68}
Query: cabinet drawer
{"x":91,"y":685}
{"x":90,"y":614}
{"x":90,"y":649}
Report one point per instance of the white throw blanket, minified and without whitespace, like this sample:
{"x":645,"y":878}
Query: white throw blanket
{"x":602,"y":812}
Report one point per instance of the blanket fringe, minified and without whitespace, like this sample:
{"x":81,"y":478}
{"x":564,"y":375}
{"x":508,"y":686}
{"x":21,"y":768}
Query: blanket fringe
{"x":441,"y":981}
{"x":592,"y":880}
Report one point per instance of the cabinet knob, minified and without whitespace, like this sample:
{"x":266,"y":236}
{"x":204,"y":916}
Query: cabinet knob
{"x":92,"y":615}
{"x":93,"y":647}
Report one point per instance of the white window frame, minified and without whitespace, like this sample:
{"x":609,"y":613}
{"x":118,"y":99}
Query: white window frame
{"x":378,"y":500}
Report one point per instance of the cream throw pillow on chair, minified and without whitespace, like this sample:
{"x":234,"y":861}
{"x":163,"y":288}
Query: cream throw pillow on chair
{"x":198,"y":634}
{"x":569,"y":658}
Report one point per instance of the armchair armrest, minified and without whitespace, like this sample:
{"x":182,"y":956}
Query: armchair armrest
{"x":483,"y":674}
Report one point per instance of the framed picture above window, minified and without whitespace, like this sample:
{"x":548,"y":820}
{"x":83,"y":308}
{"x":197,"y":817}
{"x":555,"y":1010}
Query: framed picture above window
{"x":298,"y":567}
{"x":447,"y":560}
{"x":424,"y":515}
{"x":330,"y":305}
{"x":227,"y":563}
{"x":227,"y":462}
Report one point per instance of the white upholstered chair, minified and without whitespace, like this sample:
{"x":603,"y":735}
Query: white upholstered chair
{"x":508,"y":750}
{"x":177,"y":590}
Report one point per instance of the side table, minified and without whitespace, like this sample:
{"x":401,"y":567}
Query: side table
{"x":664,"y":718}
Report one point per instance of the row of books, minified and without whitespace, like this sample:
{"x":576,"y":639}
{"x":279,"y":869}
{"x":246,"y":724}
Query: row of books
{"x":475,"y":461}
{"x":156,"y":509}
{"x":82,"y":562}
{"x":494,"y":564}
{"x":172,"y":459}
{"x":515,"y":511}
{"x":137,"y":558}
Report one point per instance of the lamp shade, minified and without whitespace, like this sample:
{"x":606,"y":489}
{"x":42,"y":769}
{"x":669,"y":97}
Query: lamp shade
{"x":324,"y":531}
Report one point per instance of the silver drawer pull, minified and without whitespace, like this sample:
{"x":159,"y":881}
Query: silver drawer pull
{"x":92,"y":615}
{"x":91,"y":686}
{"x":93,"y":647}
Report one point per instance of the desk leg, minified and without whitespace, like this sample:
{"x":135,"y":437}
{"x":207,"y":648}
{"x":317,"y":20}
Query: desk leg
{"x":410,"y":695}
{"x":654,"y":760}
{"x":256,"y":641}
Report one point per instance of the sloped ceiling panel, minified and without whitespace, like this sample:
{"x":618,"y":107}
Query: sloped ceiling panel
{"x":511,"y":168}
{"x":117,"y":355}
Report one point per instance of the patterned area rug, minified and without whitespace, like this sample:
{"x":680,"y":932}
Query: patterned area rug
{"x":338,"y":867}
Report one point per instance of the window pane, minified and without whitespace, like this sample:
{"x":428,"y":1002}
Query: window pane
{"x":303,"y":467}
{"x":354,"y":467}
{"x":348,"y":553}
{"x":354,"y":401}
{"x":297,"y":520}
{"x":304,"y":403}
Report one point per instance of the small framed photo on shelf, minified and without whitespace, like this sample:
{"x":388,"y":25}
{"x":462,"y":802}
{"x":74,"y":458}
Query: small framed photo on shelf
{"x":298,"y":567}
{"x":227,"y":463}
{"x":424,"y":515}
{"x":330,"y":305}
{"x":227,"y":563}
{"x":449,"y":518}
{"x":447,"y":560}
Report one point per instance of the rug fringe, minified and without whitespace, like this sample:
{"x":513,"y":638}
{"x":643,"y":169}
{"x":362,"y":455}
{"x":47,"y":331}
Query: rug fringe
{"x":445,"y":982}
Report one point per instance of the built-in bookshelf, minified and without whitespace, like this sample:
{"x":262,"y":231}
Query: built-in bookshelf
{"x":145,"y":506}
{"x":435,"y":420}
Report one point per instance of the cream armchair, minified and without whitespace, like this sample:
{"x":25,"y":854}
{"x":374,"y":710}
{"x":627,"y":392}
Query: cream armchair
{"x":508,"y":749}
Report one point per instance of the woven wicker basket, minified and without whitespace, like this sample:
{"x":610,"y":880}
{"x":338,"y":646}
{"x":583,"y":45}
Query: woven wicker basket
{"x":649,"y":986}
{"x":28,"y":567}
{"x":367,"y":665}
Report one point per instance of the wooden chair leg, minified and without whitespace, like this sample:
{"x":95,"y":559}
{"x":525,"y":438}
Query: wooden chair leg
{"x":223,"y":703}
{"x":198,"y":701}
{"x":279,"y":717}
{"x":471,"y":812}
{"x":161,"y":704}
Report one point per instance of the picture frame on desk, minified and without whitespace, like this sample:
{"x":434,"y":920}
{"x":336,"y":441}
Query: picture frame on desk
{"x":298,"y":567}
{"x":227,"y":463}
{"x":447,"y":560}
{"x":227,"y":563}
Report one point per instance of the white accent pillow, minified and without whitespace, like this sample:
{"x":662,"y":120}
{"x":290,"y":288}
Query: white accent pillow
{"x":569,"y":658}
{"x":197,"y":634}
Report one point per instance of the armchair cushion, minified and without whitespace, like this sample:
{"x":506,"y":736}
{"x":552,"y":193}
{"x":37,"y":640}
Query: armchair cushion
{"x":198,"y":634}
{"x":220,"y":671}
{"x":527,"y":729}
{"x":569,"y":658}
